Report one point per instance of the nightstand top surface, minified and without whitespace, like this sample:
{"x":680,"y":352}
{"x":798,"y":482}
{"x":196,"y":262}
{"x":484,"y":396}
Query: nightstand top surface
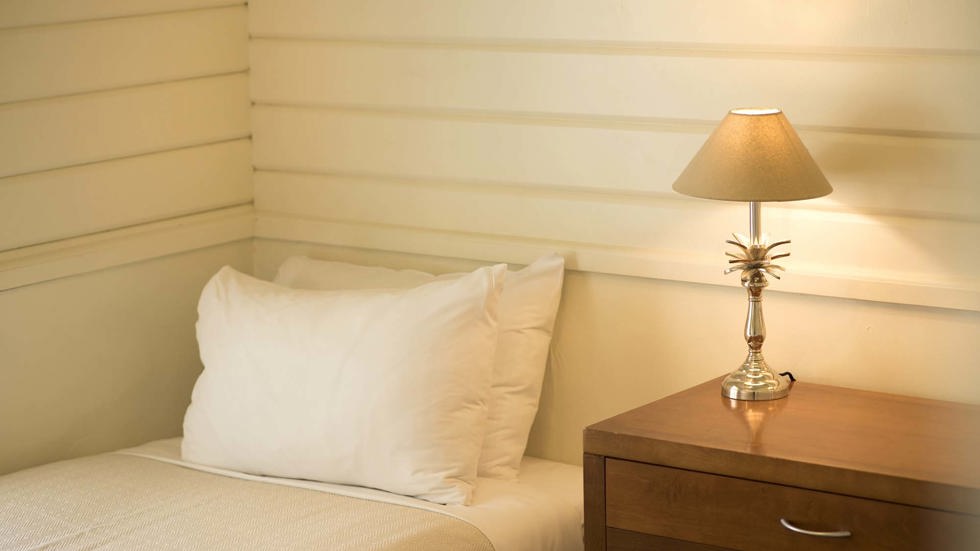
{"x":895,"y":448}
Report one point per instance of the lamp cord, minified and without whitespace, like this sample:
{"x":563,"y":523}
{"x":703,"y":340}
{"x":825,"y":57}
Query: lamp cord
{"x":792,"y":379}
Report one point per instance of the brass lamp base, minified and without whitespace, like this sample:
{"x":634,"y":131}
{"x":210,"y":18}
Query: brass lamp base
{"x":755,"y":381}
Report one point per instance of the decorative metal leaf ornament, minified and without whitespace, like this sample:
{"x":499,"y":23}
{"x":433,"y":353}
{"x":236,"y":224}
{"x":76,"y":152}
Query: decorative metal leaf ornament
{"x":754,"y":258}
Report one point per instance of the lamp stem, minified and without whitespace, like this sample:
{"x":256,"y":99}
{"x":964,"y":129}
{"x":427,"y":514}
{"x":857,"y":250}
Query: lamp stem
{"x":755,"y":327}
{"x":755,"y":222}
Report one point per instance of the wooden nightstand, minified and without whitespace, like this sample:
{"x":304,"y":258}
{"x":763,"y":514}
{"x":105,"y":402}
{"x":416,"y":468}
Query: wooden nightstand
{"x":699,"y":471}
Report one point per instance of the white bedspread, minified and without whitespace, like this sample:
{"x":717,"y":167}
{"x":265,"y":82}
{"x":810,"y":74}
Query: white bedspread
{"x":117,"y":501}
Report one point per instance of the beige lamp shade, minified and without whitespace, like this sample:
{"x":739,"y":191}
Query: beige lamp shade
{"x":753,"y":155}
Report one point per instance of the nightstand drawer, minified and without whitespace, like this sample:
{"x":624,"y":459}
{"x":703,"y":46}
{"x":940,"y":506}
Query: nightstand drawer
{"x":742,"y":514}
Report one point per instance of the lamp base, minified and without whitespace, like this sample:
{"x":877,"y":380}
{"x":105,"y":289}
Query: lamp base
{"x":755,"y":380}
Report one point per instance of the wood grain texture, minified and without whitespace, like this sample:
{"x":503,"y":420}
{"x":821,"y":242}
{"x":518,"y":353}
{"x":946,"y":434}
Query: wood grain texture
{"x":626,"y":540}
{"x":100,"y":55}
{"x":594,"y":469}
{"x":871,"y":445}
{"x":744,"y":514}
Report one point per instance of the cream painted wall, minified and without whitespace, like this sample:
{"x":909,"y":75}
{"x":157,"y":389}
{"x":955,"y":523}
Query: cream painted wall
{"x":107,"y":121}
{"x":440,"y":135}
{"x":125,"y":182}
{"x":503,"y":123}
{"x":104,"y":359}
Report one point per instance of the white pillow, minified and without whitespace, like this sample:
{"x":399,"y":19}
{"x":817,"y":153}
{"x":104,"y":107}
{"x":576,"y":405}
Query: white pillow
{"x":528,"y":307}
{"x":386,"y":389}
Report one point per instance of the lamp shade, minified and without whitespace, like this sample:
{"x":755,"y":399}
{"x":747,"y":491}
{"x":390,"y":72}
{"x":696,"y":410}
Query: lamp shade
{"x":753,"y":155}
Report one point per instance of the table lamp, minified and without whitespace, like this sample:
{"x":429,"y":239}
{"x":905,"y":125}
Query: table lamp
{"x":754,"y":155}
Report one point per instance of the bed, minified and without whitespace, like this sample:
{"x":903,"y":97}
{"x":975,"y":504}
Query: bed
{"x":340,"y":407}
{"x":148,"y":498}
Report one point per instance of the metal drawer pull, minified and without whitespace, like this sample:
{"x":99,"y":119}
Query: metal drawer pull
{"x":839,"y":534}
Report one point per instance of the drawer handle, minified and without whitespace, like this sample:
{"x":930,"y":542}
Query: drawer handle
{"x":838,"y":534}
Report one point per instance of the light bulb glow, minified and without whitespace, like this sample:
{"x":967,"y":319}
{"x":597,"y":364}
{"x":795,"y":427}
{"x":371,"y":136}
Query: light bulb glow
{"x":755,"y":111}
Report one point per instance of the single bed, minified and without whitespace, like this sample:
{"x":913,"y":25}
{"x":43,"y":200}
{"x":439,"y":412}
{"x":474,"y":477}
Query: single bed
{"x":340,"y":407}
{"x":148,"y":498}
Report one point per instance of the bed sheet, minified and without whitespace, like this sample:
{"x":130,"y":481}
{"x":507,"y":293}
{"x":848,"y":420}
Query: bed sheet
{"x":116,"y":502}
{"x":541,"y":511}
{"x":148,"y":498}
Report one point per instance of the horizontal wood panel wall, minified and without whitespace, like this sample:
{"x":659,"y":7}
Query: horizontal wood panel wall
{"x":124,"y":133}
{"x":496,"y":131}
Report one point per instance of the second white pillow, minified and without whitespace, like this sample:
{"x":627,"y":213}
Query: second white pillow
{"x":528,"y":306}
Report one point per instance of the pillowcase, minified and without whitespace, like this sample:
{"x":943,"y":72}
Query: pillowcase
{"x":385,"y":389}
{"x":528,"y":307}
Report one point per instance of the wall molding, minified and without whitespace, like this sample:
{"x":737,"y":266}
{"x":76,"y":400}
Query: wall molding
{"x":915,"y":24}
{"x":692,"y":267}
{"x":38,"y":13}
{"x":69,"y":257}
{"x":619,"y":47}
{"x":582,"y":120}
